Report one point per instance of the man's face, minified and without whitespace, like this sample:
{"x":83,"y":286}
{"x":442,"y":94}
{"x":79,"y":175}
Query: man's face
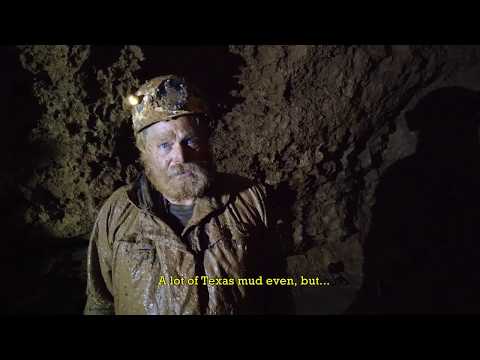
{"x":177,"y":159}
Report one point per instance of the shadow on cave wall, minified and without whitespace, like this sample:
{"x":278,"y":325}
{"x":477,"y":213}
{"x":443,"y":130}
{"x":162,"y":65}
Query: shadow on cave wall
{"x":421,"y":255}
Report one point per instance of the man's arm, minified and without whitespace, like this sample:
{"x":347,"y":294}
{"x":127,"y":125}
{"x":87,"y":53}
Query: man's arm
{"x":99,"y":269}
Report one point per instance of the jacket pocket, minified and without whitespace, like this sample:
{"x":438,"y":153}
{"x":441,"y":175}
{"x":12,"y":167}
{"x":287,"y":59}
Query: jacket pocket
{"x":231,"y":240}
{"x":134,"y":257}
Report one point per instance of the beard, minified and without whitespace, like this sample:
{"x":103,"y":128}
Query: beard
{"x":180,"y":181}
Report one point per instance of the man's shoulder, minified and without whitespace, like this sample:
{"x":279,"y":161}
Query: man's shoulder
{"x":118,"y":198}
{"x":237,"y":185}
{"x":247,"y":195}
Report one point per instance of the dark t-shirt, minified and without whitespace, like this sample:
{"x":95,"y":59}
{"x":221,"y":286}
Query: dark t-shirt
{"x":182,"y":212}
{"x":176,"y":216}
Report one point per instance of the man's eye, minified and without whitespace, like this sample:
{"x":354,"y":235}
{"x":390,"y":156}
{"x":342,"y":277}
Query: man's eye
{"x":164,"y":146}
{"x":191,"y":142}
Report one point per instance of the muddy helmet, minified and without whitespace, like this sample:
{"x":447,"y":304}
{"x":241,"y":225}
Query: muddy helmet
{"x":164,"y":98}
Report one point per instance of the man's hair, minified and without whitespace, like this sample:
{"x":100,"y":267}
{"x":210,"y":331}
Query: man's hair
{"x":202,"y":123}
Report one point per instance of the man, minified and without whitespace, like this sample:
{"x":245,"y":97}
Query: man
{"x":179,"y":238}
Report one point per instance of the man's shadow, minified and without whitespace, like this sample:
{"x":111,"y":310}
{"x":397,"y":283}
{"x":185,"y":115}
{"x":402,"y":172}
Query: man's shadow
{"x":422,"y":252}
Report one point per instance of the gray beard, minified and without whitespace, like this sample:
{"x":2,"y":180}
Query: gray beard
{"x":177,"y":188}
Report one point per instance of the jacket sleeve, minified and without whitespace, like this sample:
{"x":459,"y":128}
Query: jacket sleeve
{"x":99,"y":268}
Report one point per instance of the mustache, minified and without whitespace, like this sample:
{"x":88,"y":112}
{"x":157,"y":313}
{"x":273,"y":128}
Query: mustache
{"x":193,"y":168}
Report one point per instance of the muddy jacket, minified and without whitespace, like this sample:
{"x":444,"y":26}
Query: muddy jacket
{"x":134,"y":254}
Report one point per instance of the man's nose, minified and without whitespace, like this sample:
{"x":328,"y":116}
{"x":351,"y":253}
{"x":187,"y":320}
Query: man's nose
{"x":179,"y":154}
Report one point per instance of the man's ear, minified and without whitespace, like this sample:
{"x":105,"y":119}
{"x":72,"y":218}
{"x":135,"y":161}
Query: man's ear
{"x":141,"y":140}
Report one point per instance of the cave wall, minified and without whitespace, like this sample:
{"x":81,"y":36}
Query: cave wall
{"x":325,"y":122}
{"x":319,"y":124}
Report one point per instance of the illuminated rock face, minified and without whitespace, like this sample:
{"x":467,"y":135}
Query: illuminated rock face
{"x":320,"y":124}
